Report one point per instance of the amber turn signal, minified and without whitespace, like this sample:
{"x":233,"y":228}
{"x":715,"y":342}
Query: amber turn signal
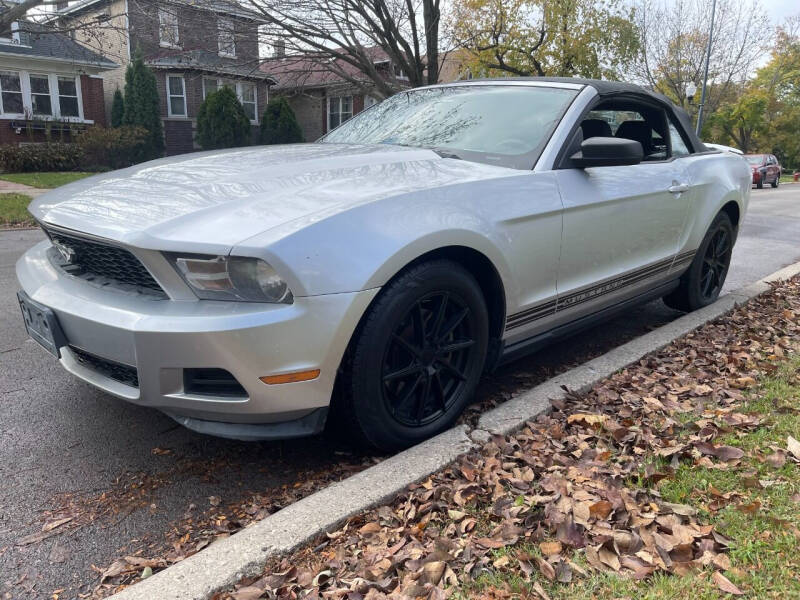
{"x":290,"y":377}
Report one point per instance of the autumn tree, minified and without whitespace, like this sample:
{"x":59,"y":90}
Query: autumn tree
{"x":587,"y":38}
{"x":764,"y":115}
{"x":674,"y":39}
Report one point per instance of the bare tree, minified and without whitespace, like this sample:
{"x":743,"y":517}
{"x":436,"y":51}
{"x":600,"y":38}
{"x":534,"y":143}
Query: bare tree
{"x":339,"y":36}
{"x":674,"y":36}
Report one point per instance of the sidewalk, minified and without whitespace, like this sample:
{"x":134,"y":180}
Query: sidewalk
{"x":8,"y":187}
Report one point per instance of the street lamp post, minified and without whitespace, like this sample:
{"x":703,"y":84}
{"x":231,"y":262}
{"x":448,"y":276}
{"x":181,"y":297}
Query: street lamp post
{"x":705,"y":74}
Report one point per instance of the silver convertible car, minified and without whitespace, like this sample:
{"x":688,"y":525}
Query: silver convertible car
{"x":256,"y":293}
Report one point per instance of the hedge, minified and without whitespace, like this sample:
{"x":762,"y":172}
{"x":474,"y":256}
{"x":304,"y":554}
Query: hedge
{"x":95,"y":149}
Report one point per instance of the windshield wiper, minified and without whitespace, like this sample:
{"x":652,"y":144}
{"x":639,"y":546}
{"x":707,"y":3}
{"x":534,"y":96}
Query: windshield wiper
{"x":444,"y":153}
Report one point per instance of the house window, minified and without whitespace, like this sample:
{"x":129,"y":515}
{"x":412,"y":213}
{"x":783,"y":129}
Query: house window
{"x":399,"y":73}
{"x":209,"y":86}
{"x":247,"y":96}
{"x":68,"y":97}
{"x":246,"y":92}
{"x":168,"y":27}
{"x":41,"y":104}
{"x":10,"y":93}
{"x":176,"y":96}
{"x":225,"y":37}
{"x":340,"y":108}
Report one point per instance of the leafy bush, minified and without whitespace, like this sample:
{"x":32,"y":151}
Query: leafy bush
{"x":112,"y":148}
{"x":141,"y":107}
{"x":96,"y":149}
{"x":279,"y":124}
{"x":50,"y":156}
{"x":117,"y":109}
{"x":222,"y":122}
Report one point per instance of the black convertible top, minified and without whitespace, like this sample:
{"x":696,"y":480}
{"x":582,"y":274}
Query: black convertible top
{"x":618,"y":88}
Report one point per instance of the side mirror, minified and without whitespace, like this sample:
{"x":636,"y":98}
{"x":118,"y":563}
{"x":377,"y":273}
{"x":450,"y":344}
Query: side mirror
{"x":608,"y":152}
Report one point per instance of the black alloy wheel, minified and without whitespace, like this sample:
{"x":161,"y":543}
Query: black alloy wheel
{"x":425,"y":363}
{"x":715,"y":264}
{"x":702,"y":282}
{"x":417,"y":357}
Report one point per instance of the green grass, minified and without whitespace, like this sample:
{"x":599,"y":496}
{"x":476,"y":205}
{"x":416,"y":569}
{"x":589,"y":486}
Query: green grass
{"x":787,"y":178}
{"x":764,"y":553}
{"x":45,"y":180}
{"x":14,"y":210}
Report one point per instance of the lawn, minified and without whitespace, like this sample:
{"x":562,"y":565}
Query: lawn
{"x":14,"y":210}
{"x":787,"y":178}
{"x":45,"y":180}
{"x":756,"y":504}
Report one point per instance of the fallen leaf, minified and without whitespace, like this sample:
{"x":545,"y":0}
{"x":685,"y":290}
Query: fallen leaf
{"x":793,"y":446}
{"x":545,"y":568}
{"x":601,"y":510}
{"x":724,"y":584}
{"x":549,"y":548}
{"x":587,"y":419}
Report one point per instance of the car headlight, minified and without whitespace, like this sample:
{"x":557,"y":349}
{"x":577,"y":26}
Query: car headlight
{"x":232,"y":278}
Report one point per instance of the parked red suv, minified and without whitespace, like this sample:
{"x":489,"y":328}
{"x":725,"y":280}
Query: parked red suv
{"x":765,"y":168}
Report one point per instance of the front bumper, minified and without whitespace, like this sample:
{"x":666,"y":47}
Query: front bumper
{"x":161,"y":338}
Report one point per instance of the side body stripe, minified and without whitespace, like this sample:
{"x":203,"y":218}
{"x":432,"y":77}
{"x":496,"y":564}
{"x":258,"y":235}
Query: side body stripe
{"x":593,"y":292}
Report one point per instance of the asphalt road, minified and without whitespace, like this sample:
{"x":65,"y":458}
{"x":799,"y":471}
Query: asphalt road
{"x":64,"y":444}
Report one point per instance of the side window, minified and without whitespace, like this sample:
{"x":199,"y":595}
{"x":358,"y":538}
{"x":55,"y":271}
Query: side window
{"x":679,"y":147}
{"x":645,"y":126}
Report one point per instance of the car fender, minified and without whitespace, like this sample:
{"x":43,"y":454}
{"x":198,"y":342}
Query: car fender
{"x":364,"y":247}
{"x":717,"y":180}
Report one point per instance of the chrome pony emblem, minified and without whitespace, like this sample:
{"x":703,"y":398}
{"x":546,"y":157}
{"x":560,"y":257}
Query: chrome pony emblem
{"x":65,"y":251}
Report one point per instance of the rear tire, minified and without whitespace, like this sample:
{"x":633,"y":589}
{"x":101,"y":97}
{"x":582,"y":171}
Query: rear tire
{"x":703,"y":280}
{"x":417,"y":358}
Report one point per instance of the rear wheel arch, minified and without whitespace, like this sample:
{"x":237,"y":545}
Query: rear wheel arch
{"x":733,"y":211}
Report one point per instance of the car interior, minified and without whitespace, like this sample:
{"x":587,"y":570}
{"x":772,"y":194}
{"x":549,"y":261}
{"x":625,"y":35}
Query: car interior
{"x":645,"y":123}
{"x":629,"y":121}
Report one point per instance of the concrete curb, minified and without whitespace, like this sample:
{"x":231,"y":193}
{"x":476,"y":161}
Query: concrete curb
{"x":244,"y":554}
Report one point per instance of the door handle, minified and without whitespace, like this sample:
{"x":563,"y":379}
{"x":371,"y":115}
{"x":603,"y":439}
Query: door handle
{"x":678,"y":188}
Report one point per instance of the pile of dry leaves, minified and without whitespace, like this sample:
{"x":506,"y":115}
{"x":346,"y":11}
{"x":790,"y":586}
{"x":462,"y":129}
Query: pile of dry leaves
{"x":583,"y":477}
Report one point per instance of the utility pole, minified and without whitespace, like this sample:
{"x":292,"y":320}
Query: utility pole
{"x":705,"y":75}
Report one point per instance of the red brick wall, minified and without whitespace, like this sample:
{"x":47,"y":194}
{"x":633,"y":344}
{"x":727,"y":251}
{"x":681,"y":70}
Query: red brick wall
{"x":178,"y":136}
{"x":94,"y":107}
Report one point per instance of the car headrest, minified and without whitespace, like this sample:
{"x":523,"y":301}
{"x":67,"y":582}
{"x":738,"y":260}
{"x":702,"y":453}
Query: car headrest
{"x":595,"y":128}
{"x":639,"y":131}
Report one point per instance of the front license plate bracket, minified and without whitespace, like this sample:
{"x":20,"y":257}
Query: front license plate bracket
{"x":42,"y":324}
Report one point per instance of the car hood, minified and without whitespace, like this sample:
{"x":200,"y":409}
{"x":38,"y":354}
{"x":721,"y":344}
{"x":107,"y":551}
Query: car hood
{"x":210,"y":201}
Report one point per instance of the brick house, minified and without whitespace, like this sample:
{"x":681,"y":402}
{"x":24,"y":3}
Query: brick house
{"x":321,"y":98}
{"x":50,"y":86}
{"x":193,"y":47}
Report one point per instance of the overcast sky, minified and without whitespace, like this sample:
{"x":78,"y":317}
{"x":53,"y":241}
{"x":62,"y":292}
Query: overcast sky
{"x":780,"y":9}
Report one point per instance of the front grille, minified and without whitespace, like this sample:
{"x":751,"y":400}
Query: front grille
{"x":110,"y":264}
{"x":113,"y":370}
{"x":212,"y":382}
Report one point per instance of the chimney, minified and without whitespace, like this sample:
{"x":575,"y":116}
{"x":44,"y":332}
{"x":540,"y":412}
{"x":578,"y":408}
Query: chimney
{"x":280,"y":48}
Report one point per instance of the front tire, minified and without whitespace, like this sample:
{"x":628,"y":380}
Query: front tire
{"x":417,"y":358}
{"x":703,"y":281}
{"x":777,"y":181}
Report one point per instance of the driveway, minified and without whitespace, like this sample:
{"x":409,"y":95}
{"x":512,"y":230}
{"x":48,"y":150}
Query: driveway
{"x":129,"y":473}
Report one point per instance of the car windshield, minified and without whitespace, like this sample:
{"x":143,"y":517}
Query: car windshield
{"x":505,"y":125}
{"x":755,"y":159}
